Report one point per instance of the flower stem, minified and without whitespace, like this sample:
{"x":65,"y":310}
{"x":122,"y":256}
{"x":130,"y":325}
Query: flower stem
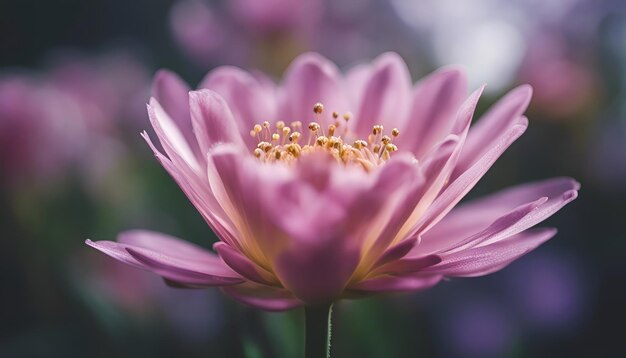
{"x":317,"y":330}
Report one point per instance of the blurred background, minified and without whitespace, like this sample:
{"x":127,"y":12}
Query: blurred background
{"x":74,"y":80}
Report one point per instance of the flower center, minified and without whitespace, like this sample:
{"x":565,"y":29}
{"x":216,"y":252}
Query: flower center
{"x":285,"y":143}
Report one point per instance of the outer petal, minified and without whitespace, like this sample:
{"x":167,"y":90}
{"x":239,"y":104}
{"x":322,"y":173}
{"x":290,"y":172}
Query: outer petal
{"x":244,"y":266}
{"x":435,"y":102}
{"x":396,"y":252}
{"x":483,"y":260}
{"x":397,"y":283}
{"x":185,"y":271}
{"x":412,"y":203}
{"x":486,"y":133}
{"x":249,"y":99}
{"x":309,"y":79}
{"x":212,"y":120}
{"x":194,"y":186}
{"x":505,"y":226}
{"x":157,"y":241}
{"x":439,"y":163}
{"x":385,"y":97}
{"x":461,"y":185}
{"x":169,"y":257}
{"x":171,"y":138}
{"x":407,"y":265}
{"x":116,"y":251}
{"x":472,"y":218}
{"x":172,"y":93}
{"x":263,"y":297}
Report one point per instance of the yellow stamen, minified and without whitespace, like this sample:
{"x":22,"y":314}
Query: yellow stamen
{"x":331,"y":130}
{"x":318,"y":108}
{"x":314,"y":127}
{"x":282,"y":142}
{"x":293,"y":137}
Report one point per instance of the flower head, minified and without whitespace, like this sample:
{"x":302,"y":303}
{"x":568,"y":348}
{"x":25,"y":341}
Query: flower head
{"x":329,"y":186}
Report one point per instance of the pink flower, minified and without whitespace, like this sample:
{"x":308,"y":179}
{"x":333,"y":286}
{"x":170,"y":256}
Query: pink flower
{"x":564,"y":87}
{"x":38,"y":137}
{"x":268,"y":16}
{"x":235,"y":31}
{"x":324,"y":207}
{"x":68,"y":118}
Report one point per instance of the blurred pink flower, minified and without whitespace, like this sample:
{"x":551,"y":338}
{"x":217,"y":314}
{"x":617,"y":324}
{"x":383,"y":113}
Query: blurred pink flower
{"x":267,"y":34}
{"x":337,"y":208}
{"x":204,"y":34}
{"x":108,"y":87}
{"x":233,"y":32}
{"x":268,"y":16}
{"x":36,"y":131}
{"x":563,"y":87}
{"x":69,"y":117}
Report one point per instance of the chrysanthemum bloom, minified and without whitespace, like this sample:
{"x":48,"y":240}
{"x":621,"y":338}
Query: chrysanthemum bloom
{"x":330,"y":186}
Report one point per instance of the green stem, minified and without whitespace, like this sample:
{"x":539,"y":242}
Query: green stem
{"x":317,"y":330}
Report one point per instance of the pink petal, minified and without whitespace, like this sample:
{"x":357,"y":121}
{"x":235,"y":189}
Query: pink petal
{"x":244,"y":266}
{"x":397,"y":283}
{"x":263,"y":297}
{"x":457,"y":189}
{"x":428,"y":180}
{"x":473,"y":217}
{"x":502,"y":227}
{"x":356,"y":79}
{"x":483,"y":260}
{"x":320,"y":260}
{"x":198,"y":193}
{"x":316,"y":273}
{"x":307,"y":221}
{"x":385,"y":97}
{"x":240,"y":183}
{"x":188,"y":174}
{"x":173,"y":95}
{"x":186,"y":271}
{"x":116,"y":251}
{"x":171,"y":138}
{"x":466,"y":112}
{"x":212,"y":120}
{"x":249,"y":100}
{"x":157,"y":241}
{"x":407,"y":265}
{"x":396,"y":252}
{"x":309,"y":79}
{"x":435,"y":101}
{"x":169,"y":257}
{"x":502,"y":116}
